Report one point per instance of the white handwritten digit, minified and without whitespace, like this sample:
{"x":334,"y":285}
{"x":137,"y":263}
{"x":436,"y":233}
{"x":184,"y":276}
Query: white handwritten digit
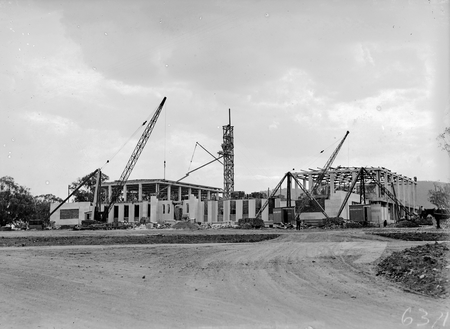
{"x":423,"y":317}
{"x":446,"y":317}
{"x":408,"y":318}
{"x":442,"y":314}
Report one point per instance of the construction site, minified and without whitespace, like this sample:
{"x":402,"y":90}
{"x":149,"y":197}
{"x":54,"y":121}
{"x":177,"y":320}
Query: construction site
{"x":195,"y":255}
{"x":367,"y":195}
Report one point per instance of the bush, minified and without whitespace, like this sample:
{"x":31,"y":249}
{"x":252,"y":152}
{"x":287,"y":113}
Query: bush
{"x":252,"y":223}
{"x":425,"y":221}
{"x":88,"y":222}
{"x":353,"y":225}
{"x":406,"y":223}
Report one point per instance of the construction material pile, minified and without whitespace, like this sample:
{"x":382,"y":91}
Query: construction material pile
{"x":423,"y":269}
{"x":185,"y":225}
{"x":250,"y":223}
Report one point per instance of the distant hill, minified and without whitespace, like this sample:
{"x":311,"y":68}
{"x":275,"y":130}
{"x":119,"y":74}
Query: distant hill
{"x":422,"y":193}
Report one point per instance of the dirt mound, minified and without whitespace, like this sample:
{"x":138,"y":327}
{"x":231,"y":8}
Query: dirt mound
{"x":185,"y":225}
{"x":423,"y":269}
{"x":415,"y":236}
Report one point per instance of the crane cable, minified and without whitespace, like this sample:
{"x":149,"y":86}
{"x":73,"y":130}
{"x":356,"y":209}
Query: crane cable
{"x":128,"y":140}
{"x":165,"y":141}
{"x":319,"y":155}
{"x":192,"y":158}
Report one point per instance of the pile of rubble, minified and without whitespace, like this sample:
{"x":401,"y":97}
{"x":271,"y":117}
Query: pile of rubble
{"x":423,"y":269}
{"x":185,"y":225}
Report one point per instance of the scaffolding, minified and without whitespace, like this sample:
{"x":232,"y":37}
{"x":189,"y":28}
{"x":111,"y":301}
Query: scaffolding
{"x":228,"y":156}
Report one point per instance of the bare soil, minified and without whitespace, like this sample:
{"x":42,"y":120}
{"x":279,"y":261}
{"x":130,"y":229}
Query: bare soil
{"x":301,"y":279}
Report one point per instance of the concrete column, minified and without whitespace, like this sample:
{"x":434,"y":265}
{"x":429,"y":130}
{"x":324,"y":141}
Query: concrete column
{"x":408,"y":193}
{"x":415,"y":193}
{"x":239,"y":209}
{"x":310,"y":183}
{"x":111,"y":216}
{"x":404,"y":191}
{"x":193,"y":205}
{"x":189,"y":191}
{"x":354,"y":174}
{"x":332,"y":178}
{"x":154,"y":211}
{"x":377,"y":188}
{"x":208,"y":195}
{"x":121,"y":212}
{"x":265,"y":213}
{"x":411,"y":189}
{"x":179,"y":193}
{"x":169,"y":192}
{"x":144,"y":212}
{"x":109,"y":192}
{"x":124,"y":193}
{"x":251,"y":208}
{"x":226,"y":210}
{"x":140,"y":192}
{"x":199,"y":195}
{"x":386,"y":184}
{"x":213,"y":207}
{"x":131,"y":212}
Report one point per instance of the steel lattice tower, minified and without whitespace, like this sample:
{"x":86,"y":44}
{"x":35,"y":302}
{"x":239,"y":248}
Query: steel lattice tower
{"x":228,"y":157}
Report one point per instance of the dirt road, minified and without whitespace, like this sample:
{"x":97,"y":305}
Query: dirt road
{"x":300,"y":280}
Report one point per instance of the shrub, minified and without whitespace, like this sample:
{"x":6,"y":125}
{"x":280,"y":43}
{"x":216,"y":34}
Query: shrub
{"x":353,"y":225}
{"x":406,"y":223}
{"x":425,"y":221}
{"x":252,"y":223}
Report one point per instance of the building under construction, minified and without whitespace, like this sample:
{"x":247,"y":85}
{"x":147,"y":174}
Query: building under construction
{"x":374,"y":195}
{"x":363,"y":194}
{"x":366,"y":195}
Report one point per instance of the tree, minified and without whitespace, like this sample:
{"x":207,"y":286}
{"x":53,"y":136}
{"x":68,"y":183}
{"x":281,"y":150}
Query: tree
{"x":86,"y":192}
{"x":42,"y":206}
{"x":444,"y":140}
{"x":440,"y":196}
{"x":16,"y":202}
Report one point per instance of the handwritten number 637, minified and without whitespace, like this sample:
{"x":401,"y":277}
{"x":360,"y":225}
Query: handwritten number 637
{"x":407,"y":320}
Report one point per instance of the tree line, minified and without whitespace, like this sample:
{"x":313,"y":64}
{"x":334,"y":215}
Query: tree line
{"x":19,"y":206}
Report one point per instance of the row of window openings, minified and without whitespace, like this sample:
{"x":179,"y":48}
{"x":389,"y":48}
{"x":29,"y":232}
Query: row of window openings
{"x":126,"y":210}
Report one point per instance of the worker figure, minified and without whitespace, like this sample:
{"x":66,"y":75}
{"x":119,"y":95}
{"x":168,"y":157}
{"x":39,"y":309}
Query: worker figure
{"x":297,"y":222}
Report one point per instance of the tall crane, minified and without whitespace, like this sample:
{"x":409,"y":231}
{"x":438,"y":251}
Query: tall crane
{"x":125,"y":174}
{"x":327,"y":166}
{"x":117,"y":190}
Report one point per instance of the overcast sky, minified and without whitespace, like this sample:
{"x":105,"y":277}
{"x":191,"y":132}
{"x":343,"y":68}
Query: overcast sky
{"x":78,"y":78}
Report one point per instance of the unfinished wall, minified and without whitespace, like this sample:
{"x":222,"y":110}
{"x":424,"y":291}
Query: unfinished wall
{"x":70,"y":213}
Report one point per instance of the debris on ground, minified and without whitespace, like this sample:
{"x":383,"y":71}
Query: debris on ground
{"x":186,"y":225}
{"x":422,"y":269}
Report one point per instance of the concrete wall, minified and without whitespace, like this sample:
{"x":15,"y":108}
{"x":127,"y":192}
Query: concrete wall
{"x":332,"y":206}
{"x":69,"y":210}
{"x":163,"y":211}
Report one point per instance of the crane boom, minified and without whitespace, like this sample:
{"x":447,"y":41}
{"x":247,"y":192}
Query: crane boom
{"x":134,"y":157}
{"x":327,"y":166}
